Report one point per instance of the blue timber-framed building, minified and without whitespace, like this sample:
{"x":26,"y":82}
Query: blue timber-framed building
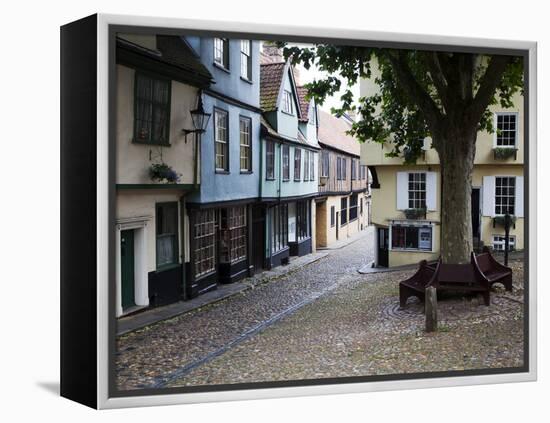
{"x":220,"y":213}
{"x":289,"y":163}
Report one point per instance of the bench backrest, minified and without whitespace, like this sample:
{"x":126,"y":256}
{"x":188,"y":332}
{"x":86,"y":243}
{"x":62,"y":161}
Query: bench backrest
{"x":484,"y":262}
{"x":461,"y":273}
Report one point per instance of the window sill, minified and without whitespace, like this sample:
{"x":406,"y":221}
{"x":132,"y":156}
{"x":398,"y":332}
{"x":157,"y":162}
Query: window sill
{"x":246,"y":80}
{"x":222,"y":172}
{"x":158,"y":144}
{"x":269,"y":179}
{"x":246,"y":172}
{"x":286,"y":180}
{"x":288,"y":114}
{"x":221,"y":67}
{"x":167,"y":267}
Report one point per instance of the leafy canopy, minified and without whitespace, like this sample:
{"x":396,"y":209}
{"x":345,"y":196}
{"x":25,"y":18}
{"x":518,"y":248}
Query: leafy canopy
{"x":420,"y":93}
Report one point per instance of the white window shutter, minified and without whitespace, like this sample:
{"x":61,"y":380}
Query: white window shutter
{"x":402,"y":190}
{"x":431,"y":191}
{"x":519,"y":196}
{"x":489,"y":196}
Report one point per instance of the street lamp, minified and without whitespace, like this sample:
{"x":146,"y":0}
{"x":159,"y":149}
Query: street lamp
{"x":200,"y":120}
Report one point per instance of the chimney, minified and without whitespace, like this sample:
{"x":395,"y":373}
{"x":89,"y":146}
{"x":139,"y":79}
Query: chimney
{"x":272,"y":53}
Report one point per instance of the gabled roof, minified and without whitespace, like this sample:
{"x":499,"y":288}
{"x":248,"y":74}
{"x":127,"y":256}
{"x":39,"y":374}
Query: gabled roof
{"x":271,"y":78}
{"x":304,"y":104}
{"x":174,"y":57}
{"x":271,"y":85}
{"x":332,"y":133}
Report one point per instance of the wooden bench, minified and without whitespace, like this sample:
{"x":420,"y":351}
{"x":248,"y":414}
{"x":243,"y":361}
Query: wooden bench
{"x":416,"y":285}
{"x":445,"y":277}
{"x":493,"y":270}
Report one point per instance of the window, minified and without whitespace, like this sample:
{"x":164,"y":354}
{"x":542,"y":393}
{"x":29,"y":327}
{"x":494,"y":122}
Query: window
{"x":506,"y":129}
{"x":499,"y":242}
{"x":279,"y":228}
{"x":204,"y":234}
{"x":325,"y":164}
{"x":353,"y":207}
{"x":363,"y":171}
{"x":312,"y":166}
{"x":286,"y":162}
{"x":302,"y":220}
{"x":270,"y":160}
{"x":353,"y":170}
{"x":151,"y":110}
{"x":339,"y":168}
{"x":221,"y":52}
{"x":297,"y":163}
{"x":344,"y":171}
{"x":332,"y":216}
{"x":343,"y":211}
{"x":417,"y":190}
{"x":306,"y":165}
{"x":411,"y":237}
{"x":246,"y":149}
{"x":361,"y":209}
{"x":167,"y":234}
{"x":287,"y":102}
{"x":222,"y":140}
{"x":246,"y":59}
{"x":505,"y":195}
{"x":233,"y":234}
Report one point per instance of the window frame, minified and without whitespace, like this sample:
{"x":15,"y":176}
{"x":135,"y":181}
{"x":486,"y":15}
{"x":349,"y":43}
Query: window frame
{"x":234,"y":232}
{"x":306,"y":165}
{"x":226,"y":168}
{"x":508,"y":196}
{"x":343,"y":211}
{"x":516,"y":132}
{"x":248,"y":120}
{"x":353,"y":207}
{"x":224,"y":63}
{"x":511,"y":245}
{"x":168,"y":105}
{"x":203,"y":220}
{"x":176,"y":259}
{"x":269,"y":172}
{"x":332,"y":216}
{"x":417,"y":192}
{"x":287,"y":103}
{"x":312,"y":166}
{"x":353,"y":170}
{"x":325,"y":164}
{"x":297,"y":160}
{"x":411,"y":249}
{"x":248,"y":60}
{"x":286,"y":162}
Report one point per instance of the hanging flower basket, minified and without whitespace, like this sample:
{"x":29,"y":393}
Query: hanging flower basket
{"x":161,"y":172}
{"x":415,"y":213}
{"x":499,"y":221}
{"x":503,"y":153}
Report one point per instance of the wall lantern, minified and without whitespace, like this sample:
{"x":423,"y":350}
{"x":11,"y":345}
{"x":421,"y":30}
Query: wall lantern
{"x":200,"y":120}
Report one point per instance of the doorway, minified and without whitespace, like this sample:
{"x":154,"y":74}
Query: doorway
{"x":258,"y":237}
{"x":383,"y":247}
{"x":476,"y":218}
{"x":127,"y":268}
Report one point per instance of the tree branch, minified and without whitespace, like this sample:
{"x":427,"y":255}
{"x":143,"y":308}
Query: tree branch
{"x":489,"y":83}
{"x":414,"y":90}
{"x":434,"y":67}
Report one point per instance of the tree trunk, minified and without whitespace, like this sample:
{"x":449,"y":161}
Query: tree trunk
{"x":456,"y":155}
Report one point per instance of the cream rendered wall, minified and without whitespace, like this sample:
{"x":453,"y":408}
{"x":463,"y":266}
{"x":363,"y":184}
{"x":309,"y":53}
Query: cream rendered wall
{"x":139,"y":203}
{"x":487,"y":230}
{"x":384,"y":199}
{"x":132,"y":162}
{"x":351,"y":228}
{"x":400,"y":258}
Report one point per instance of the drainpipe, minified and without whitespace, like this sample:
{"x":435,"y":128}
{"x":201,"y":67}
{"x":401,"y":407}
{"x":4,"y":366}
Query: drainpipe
{"x":197,"y":155}
{"x":183,"y":246}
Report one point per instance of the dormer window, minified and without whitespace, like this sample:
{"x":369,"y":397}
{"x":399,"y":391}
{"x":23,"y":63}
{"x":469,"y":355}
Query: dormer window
{"x":287,"y":103}
{"x":221,"y":52}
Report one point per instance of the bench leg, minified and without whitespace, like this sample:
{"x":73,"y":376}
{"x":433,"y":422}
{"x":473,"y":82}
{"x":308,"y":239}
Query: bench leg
{"x":508,"y":283}
{"x":404,"y":293}
{"x":487,"y":297}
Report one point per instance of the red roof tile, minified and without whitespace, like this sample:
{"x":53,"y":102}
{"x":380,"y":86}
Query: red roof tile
{"x":271,"y":76}
{"x":332,"y":133}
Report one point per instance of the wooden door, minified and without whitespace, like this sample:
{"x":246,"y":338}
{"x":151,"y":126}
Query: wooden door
{"x":383,"y":247}
{"x":127,"y":268}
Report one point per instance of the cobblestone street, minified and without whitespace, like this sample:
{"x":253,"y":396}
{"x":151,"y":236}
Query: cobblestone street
{"x":323,"y":320}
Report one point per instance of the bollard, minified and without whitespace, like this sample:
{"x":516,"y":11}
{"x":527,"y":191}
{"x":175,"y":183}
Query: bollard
{"x":430,"y":304}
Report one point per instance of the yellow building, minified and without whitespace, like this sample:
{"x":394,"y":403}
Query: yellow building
{"x":405,"y":236}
